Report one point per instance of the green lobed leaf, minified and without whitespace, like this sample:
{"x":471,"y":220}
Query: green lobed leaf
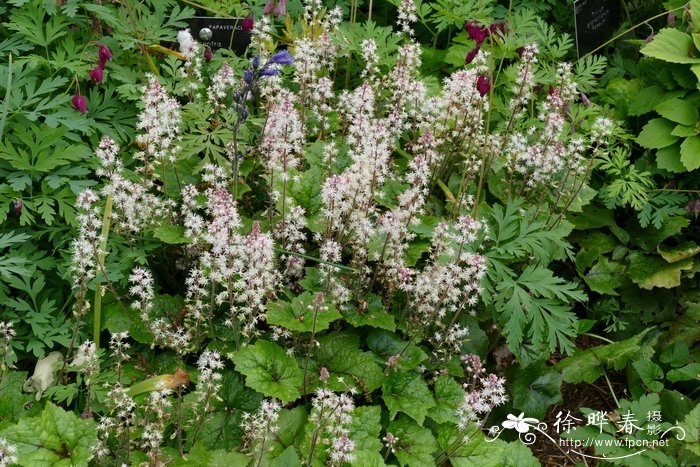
{"x":56,"y":437}
{"x":477,"y":452}
{"x":689,"y":372}
{"x":373,"y":315}
{"x":415,"y":445}
{"x":690,"y":152}
{"x":449,"y":395}
{"x":202,"y":456}
{"x":589,"y":365}
{"x":386,"y":344}
{"x":669,"y":158}
{"x":299,"y":315}
{"x":269,"y":370}
{"x":341,"y":355}
{"x":605,"y":276}
{"x":670,"y":45}
{"x":678,"y":110}
{"x":656,"y":134}
{"x":364,"y":430}
{"x":650,"y":373}
{"x":651,"y":271}
{"x":407,"y":392}
{"x":171,"y":234}
{"x":678,"y":253}
{"x":535,"y":388}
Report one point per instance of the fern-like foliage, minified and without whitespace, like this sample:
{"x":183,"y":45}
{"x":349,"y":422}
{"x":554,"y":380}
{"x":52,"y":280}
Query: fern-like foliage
{"x":628,"y":185}
{"x":530,"y":303}
{"x":660,"y":206}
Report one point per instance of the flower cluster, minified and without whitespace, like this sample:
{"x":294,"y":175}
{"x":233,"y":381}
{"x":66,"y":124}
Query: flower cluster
{"x":164,"y":332}
{"x":103,"y":55}
{"x":191,"y":50}
{"x":259,"y":428}
{"x":243,"y":267}
{"x":8,"y":453}
{"x":483,"y":393}
{"x":331,"y":414}
{"x":7,"y":332}
{"x":159,"y":122}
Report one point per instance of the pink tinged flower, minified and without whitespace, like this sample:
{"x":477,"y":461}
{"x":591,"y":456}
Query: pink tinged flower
{"x":649,"y":38}
{"x":472,"y":53}
{"x":323,"y":374}
{"x":104,"y":54}
{"x":520,"y":423}
{"x":248,"y":23}
{"x":584,"y":99}
{"x":269,"y":6}
{"x":97,"y":74}
{"x":483,"y":85}
{"x":281,"y":8}
{"x":671,"y":19}
{"x":80,"y":103}
{"x":18,"y":205}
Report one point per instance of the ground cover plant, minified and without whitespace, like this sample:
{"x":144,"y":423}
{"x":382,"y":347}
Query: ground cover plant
{"x":374,"y":239}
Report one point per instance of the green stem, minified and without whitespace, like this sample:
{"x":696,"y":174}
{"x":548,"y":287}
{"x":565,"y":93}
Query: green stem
{"x":612,"y":391}
{"x":597,"y":337}
{"x":316,"y":260}
{"x":97,"y":318}
{"x":6,"y":103}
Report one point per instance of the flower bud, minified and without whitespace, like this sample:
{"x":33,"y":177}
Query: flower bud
{"x":79,"y":103}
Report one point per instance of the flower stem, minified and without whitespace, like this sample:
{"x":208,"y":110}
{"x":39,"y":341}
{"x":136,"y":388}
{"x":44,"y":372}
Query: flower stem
{"x":97,"y":317}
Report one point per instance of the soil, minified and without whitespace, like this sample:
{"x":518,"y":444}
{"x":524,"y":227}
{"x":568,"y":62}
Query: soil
{"x":594,"y":396}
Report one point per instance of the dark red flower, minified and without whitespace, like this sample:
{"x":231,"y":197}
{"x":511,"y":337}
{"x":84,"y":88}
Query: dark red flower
{"x":483,"y":85}
{"x":208,"y":55}
{"x":79,"y":103}
{"x":104,"y":54}
{"x":476,"y":32}
{"x":498,"y":27}
{"x":472,"y":53}
{"x":248,"y":23}
{"x":18,"y":205}
{"x":97,"y":74}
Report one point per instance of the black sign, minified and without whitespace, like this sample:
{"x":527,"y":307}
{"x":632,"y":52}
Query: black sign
{"x":596,"y":21}
{"x":220,"y":33}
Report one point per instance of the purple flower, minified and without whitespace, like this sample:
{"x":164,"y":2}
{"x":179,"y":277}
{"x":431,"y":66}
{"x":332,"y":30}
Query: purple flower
{"x":97,"y":74}
{"x":79,"y":103}
{"x":256,"y":62}
{"x":269,"y":72}
{"x":483,"y":84}
{"x":276,"y":7}
{"x":104,"y":54}
{"x":671,"y":19}
{"x":208,"y":55}
{"x":281,"y":58}
{"x":248,"y":76}
{"x":281,"y":8}
{"x":472,"y":53}
{"x":248,"y":23}
{"x":584,"y":99}
{"x":649,"y":38}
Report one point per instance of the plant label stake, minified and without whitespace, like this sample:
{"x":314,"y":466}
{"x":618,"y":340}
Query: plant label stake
{"x":595,"y":22}
{"x":220,"y":33}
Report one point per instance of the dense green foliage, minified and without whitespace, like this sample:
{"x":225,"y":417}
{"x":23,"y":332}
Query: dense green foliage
{"x":365,"y":242}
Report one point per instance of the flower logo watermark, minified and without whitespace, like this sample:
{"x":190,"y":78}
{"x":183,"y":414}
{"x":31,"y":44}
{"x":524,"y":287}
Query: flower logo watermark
{"x":600,"y":435}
